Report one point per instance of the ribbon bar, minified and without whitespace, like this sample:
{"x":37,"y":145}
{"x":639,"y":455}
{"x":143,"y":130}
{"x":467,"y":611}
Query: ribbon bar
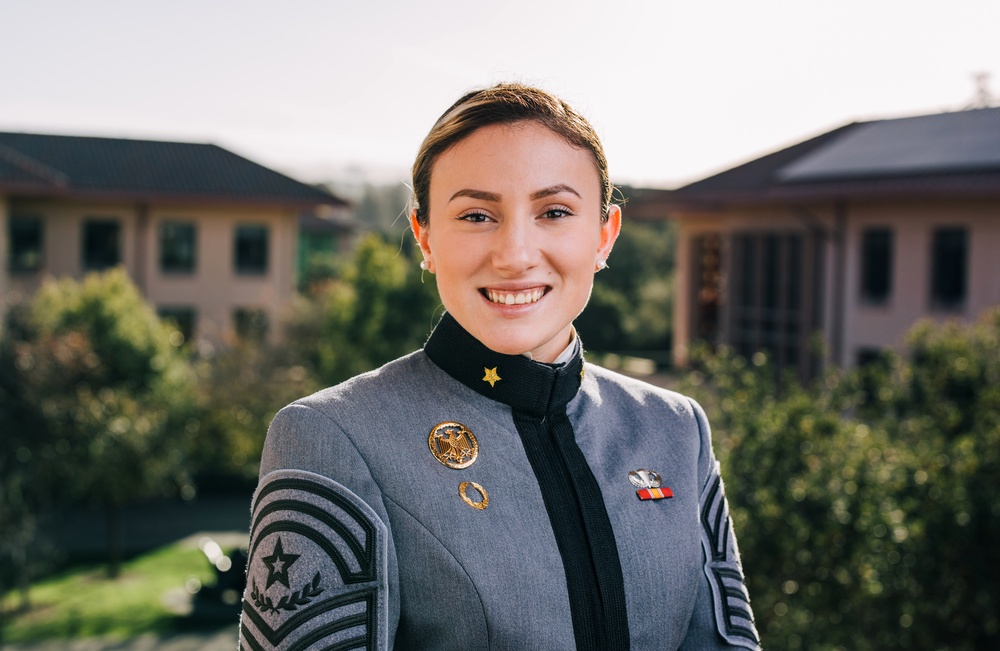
{"x":654,"y":493}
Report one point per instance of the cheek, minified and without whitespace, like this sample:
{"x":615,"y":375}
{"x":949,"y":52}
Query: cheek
{"x":455,"y":263}
{"x":452,"y":252}
{"x":578,"y":255}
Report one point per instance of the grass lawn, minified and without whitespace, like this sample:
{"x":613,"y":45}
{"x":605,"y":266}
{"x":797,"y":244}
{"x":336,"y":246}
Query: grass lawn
{"x":83,"y":602}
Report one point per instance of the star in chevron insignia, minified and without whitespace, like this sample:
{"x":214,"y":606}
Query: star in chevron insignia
{"x":277,"y":565}
{"x":491,"y":375}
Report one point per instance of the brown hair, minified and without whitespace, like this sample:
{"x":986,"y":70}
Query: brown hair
{"x":505,"y":104}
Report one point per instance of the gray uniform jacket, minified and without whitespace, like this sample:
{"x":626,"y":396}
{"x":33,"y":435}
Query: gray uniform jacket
{"x":461,"y":499}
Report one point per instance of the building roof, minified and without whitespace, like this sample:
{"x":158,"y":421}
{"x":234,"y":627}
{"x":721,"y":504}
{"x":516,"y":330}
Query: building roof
{"x":143,"y":170}
{"x":943,"y":155}
{"x":333,"y":223}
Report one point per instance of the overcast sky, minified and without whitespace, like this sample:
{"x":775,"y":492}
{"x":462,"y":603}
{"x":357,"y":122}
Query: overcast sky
{"x":677,"y":89}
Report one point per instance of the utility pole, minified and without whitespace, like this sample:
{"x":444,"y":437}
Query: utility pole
{"x":983,"y":98}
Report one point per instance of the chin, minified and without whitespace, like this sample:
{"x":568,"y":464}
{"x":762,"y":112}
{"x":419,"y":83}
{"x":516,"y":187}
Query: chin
{"x":506,"y":346}
{"x":510,"y":344}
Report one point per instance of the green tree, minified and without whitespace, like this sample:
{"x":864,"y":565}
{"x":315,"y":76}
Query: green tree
{"x":243,"y":387}
{"x":379,"y":306}
{"x":941,"y":401}
{"x":382,"y":307}
{"x":383,"y":207}
{"x":106,"y":391}
{"x":866,"y":504}
{"x":24,"y":474}
{"x":632,"y":302}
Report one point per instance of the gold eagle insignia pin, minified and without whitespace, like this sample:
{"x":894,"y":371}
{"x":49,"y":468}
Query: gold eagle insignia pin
{"x":453,"y":444}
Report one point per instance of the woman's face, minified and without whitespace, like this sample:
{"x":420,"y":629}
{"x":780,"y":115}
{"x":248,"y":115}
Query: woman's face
{"x":514,"y":235}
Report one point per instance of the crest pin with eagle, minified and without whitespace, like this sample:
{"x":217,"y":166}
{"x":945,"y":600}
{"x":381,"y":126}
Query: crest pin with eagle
{"x":453,"y":444}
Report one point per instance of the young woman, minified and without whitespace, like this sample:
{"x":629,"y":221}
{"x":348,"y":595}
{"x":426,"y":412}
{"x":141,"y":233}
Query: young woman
{"x":492,"y":490}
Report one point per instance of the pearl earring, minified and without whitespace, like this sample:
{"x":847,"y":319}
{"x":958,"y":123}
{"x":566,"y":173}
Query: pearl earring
{"x":423,"y":265}
{"x":601,"y":265}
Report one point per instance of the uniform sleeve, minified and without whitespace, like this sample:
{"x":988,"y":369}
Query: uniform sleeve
{"x":722,"y":617}
{"x":320,"y":560}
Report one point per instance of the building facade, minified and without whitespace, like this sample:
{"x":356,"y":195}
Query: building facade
{"x":830,"y":250}
{"x":207,"y":236}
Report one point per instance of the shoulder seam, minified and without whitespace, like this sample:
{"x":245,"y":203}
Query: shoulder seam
{"x":346,"y":436}
{"x":703,"y":439}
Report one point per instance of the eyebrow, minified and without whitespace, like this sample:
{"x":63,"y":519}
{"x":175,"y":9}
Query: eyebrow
{"x":483,"y":195}
{"x":554,"y":189}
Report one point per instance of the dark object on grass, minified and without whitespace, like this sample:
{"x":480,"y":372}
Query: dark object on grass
{"x":220,"y":600}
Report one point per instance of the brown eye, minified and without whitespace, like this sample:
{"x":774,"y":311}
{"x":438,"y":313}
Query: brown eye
{"x":475,"y":217}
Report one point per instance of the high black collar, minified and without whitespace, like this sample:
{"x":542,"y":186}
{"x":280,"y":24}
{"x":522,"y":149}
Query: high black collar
{"x":523,"y":384}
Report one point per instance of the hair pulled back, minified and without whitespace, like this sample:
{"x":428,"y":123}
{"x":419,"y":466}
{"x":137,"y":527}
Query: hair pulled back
{"x":505,"y":104}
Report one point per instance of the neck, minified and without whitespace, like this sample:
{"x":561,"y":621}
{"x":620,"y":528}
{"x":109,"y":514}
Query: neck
{"x":512,"y":379}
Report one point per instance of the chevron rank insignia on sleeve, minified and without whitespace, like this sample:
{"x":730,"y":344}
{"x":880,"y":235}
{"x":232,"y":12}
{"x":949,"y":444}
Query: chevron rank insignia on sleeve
{"x":733,"y":615}
{"x":316,"y":569}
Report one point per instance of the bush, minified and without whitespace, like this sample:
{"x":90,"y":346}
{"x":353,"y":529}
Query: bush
{"x":382,"y":307}
{"x":95,"y":392}
{"x":866,"y":504}
{"x":243,"y":387}
{"x":631,"y":305}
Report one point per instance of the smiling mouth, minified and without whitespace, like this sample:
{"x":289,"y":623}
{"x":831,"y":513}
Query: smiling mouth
{"x":520,"y":297}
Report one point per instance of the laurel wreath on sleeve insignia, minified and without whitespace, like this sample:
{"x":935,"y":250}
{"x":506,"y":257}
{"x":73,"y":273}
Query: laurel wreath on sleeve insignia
{"x":289,"y":601}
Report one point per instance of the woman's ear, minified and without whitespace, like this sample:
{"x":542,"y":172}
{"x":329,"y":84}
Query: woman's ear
{"x":610,"y":229}
{"x":422,"y":236}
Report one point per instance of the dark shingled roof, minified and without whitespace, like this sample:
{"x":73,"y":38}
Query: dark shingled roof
{"x":965,"y":141}
{"x":143,"y":170}
{"x":942,"y":155}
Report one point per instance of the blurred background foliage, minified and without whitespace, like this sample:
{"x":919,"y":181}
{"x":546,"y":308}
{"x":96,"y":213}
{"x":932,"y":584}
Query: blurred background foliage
{"x":867,"y":504}
{"x":379,"y":307}
{"x":95,"y":395}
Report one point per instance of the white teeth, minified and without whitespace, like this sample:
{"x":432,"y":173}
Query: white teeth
{"x":518,"y":298}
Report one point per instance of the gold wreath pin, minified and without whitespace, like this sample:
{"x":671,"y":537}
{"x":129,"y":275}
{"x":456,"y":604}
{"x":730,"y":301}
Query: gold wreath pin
{"x":484,"y":500}
{"x":453,"y":444}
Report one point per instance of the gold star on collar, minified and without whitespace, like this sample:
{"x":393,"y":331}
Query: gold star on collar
{"x":491,"y":375}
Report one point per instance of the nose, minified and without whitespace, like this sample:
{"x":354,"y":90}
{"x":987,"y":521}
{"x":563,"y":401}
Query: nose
{"x":516,"y":247}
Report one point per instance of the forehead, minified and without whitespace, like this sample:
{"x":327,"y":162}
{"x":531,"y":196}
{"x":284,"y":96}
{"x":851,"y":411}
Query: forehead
{"x":514,"y":158}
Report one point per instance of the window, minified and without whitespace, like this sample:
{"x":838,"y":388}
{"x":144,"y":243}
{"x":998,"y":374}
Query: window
{"x":876,"y":265}
{"x":766,"y":312}
{"x":177,"y":247}
{"x":251,"y":250}
{"x":949,"y":262}
{"x":708,"y":286}
{"x":183,"y":318}
{"x":25,"y":244}
{"x":101,"y":244}
{"x":250,"y":324}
